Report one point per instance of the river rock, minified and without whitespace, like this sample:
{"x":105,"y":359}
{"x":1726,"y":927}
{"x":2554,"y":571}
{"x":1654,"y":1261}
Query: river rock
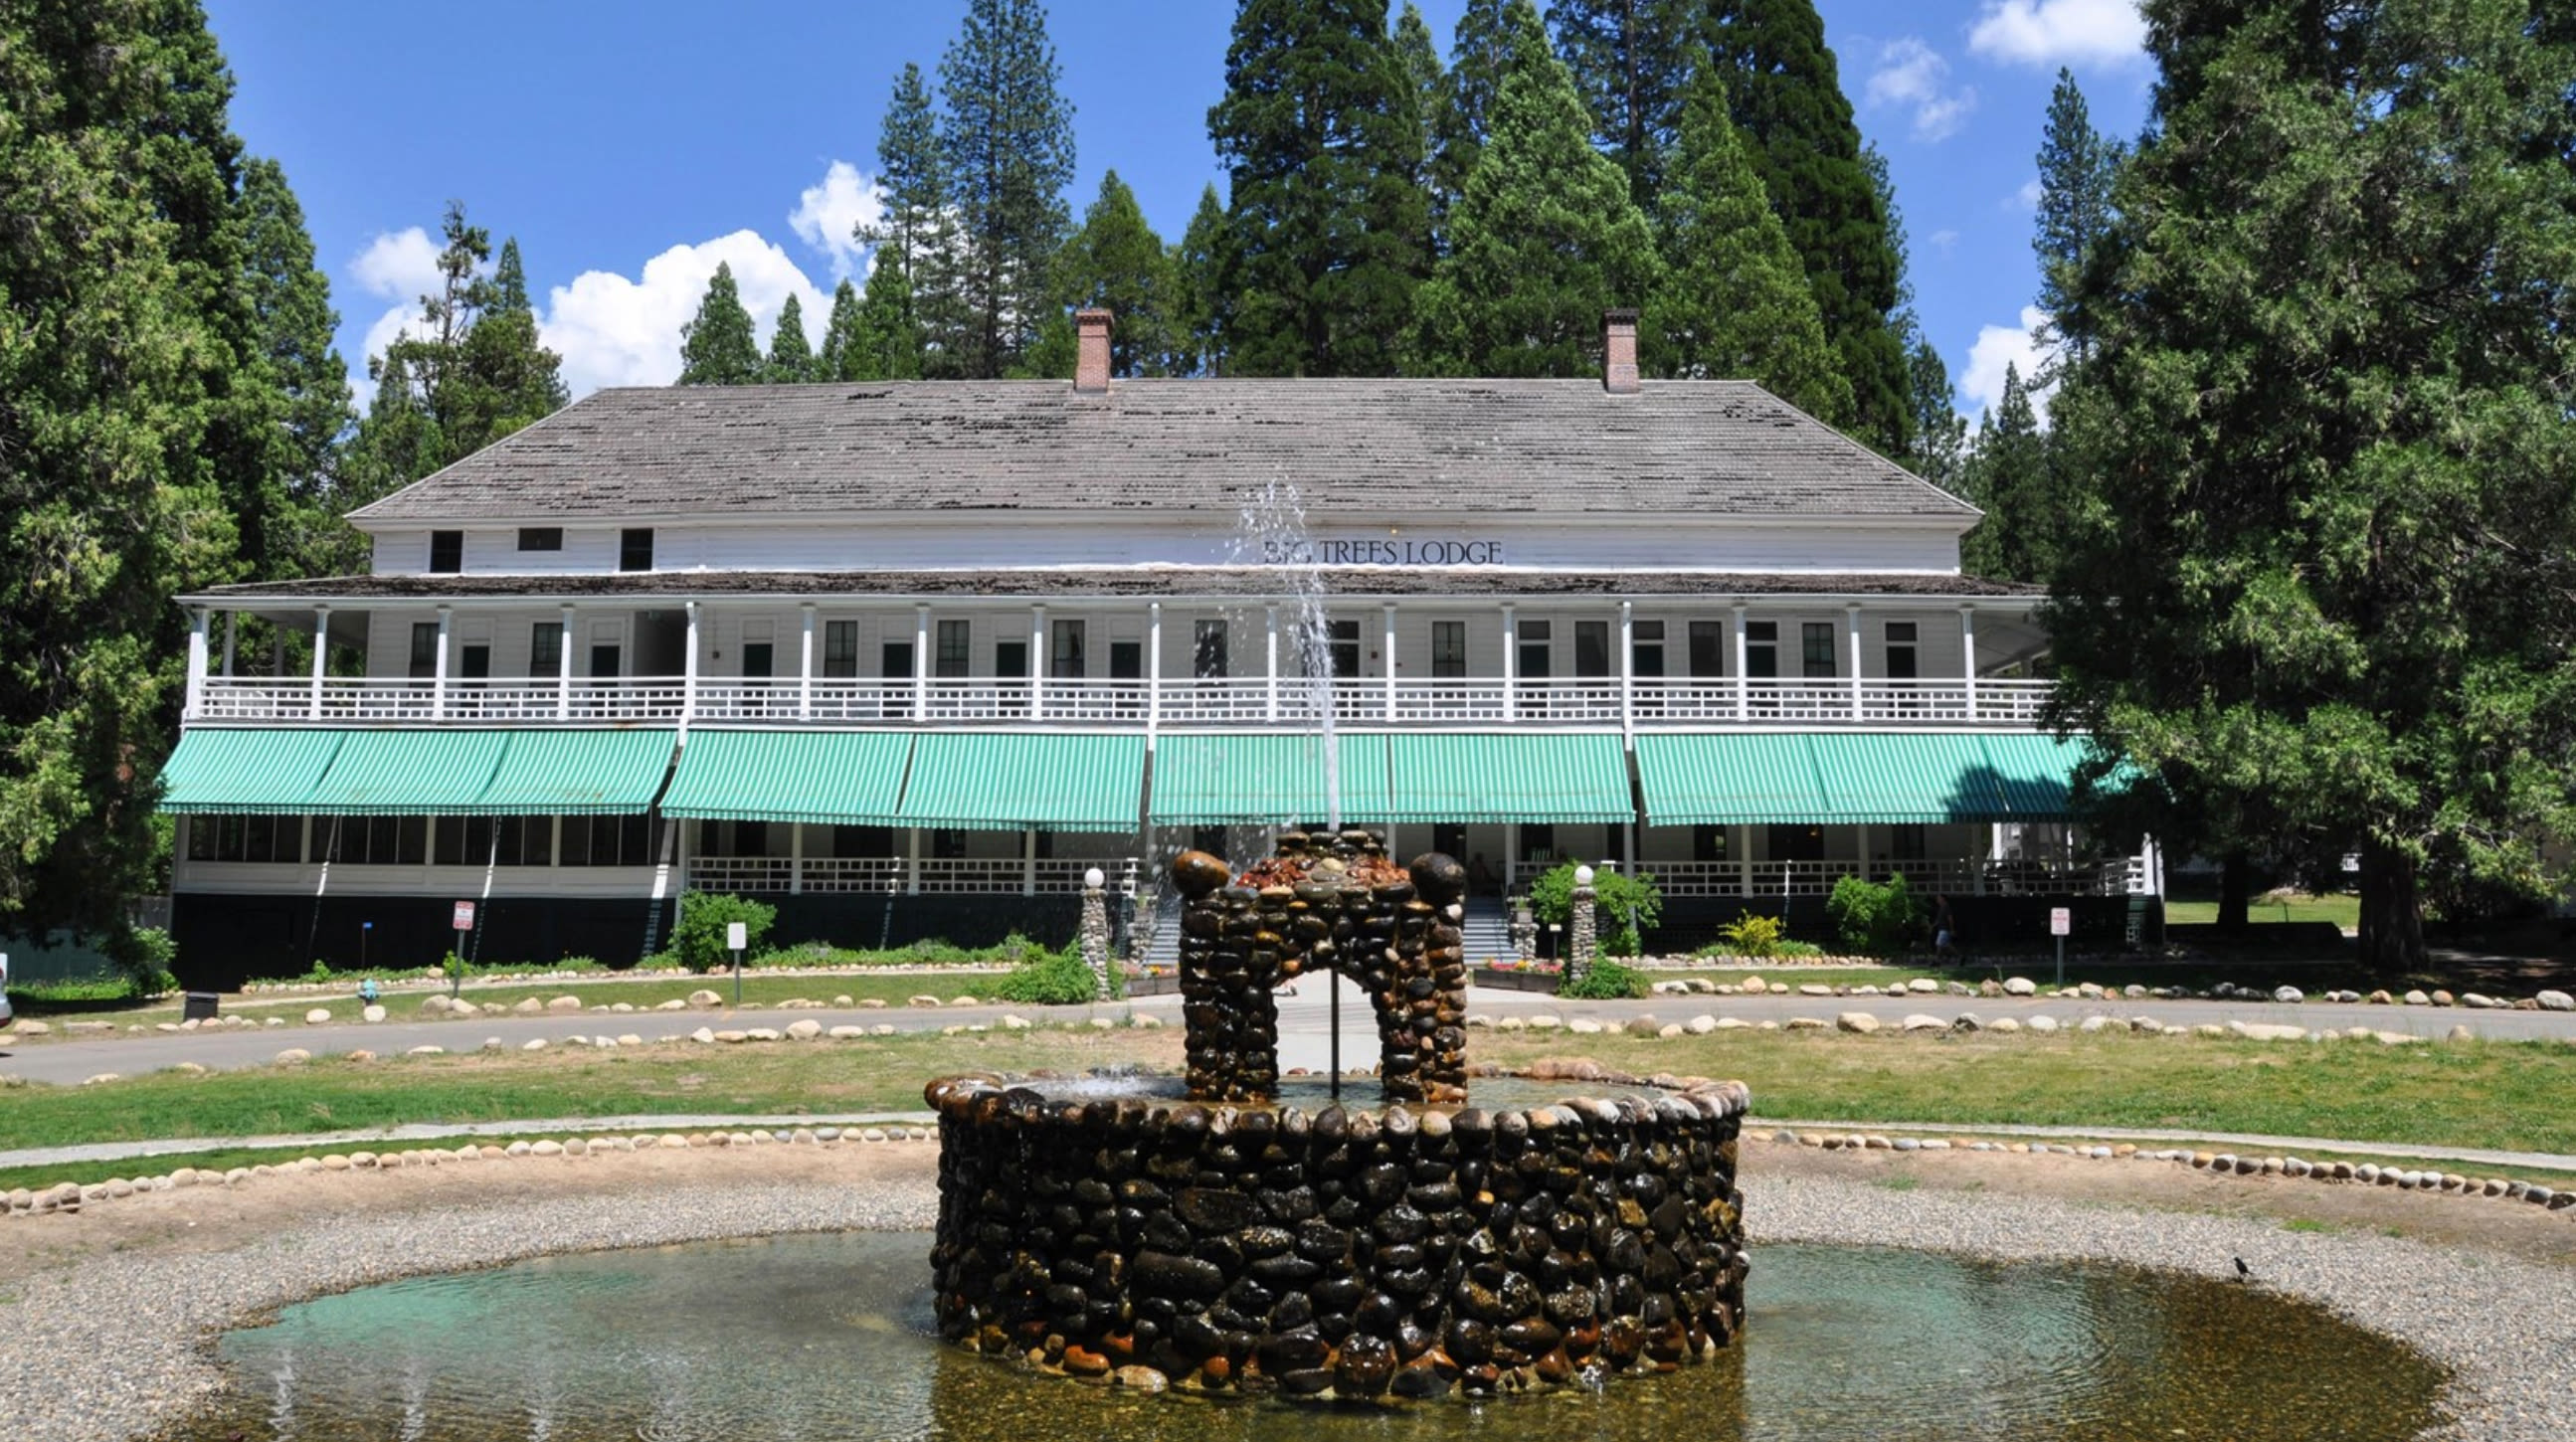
{"x":2556,"y":1001}
{"x":2020,"y":986}
{"x":1856,"y":1021}
{"x":317,"y":1016}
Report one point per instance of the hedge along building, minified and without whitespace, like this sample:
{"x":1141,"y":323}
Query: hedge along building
{"x":907,"y":659}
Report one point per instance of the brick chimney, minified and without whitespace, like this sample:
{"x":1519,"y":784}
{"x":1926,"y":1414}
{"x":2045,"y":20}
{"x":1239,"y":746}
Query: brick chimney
{"x":1091,"y":362}
{"x":1619,"y":351}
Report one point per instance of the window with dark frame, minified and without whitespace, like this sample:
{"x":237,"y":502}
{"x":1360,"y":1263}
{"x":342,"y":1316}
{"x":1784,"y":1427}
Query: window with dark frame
{"x":635,"y":548}
{"x":840,"y":648}
{"x":446,"y":552}
{"x":1762,"y":650}
{"x":1448,"y":650}
{"x":541,"y":538}
{"x":1900,"y":651}
{"x":545,"y":649}
{"x":955,"y":655}
{"x":424,"y":650}
{"x":1592,"y":649}
{"x":1065,"y":651}
{"x":1208,"y":660}
{"x":1646,"y":649}
{"x":1707,"y":650}
{"x":1817,"y":649}
{"x":1345,"y":648}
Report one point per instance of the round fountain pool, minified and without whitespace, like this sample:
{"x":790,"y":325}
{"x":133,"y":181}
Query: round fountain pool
{"x":832,"y":1337}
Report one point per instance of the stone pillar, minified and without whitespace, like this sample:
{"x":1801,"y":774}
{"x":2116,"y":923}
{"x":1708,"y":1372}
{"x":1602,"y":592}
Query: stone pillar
{"x":1524,"y":936}
{"x":1093,"y":935}
{"x":1581,"y":934}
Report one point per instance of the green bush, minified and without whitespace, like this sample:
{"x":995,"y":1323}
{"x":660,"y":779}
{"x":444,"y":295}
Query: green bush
{"x":1623,"y":905}
{"x":1606,"y":981}
{"x":704,"y":917}
{"x":1049,"y":978}
{"x":1752,"y":936}
{"x":1876,"y":918}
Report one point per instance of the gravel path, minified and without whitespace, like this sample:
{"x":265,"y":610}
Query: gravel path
{"x":101,"y":1349}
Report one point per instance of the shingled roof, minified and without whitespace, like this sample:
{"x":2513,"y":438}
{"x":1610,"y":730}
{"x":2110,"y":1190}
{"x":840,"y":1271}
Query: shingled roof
{"x":1350,"y":446}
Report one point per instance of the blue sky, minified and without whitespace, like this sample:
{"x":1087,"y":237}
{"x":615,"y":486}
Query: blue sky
{"x":632,"y":146}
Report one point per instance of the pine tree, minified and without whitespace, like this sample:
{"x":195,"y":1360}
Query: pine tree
{"x":1479,"y":54}
{"x":2008,"y":476}
{"x":1733,"y":302}
{"x":1426,"y":83}
{"x":509,"y":379}
{"x":2076,"y":167}
{"x":1325,"y":222}
{"x":1007,"y":144}
{"x":791,"y":355}
{"x":1116,"y":260}
{"x":717,"y":348}
{"x":1198,"y":300}
{"x":889,"y":339}
{"x":1788,"y":104}
{"x":842,"y":347}
{"x":1940,"y":453}
{"x":915,"y":231}
{"x":1542,"y":240}
{"x":291,"y":300}
{"x":2320,"y":582}
{"x":111,"y":368}
{"x":1633,"y":61}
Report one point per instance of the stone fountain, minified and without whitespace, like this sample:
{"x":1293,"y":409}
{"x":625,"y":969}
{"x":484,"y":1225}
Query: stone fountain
{"x":1225,"y":1238}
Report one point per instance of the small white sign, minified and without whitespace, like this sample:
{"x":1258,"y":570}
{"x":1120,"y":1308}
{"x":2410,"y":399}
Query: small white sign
{"x":2061,"y":921}
{"x":737,"y":935}
{"x":464,"y":916}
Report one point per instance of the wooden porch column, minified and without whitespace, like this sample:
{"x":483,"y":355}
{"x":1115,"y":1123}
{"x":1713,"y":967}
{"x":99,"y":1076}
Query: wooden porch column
{"x":563,"y":669}
{"x":1628,"y":670}
{"x":1968,"y":650}
{"x":232,"y":635}
{"x":921,"y":662}
{"x":321,"y":654}
{"x":1390,"y":672}
{"x":689,"y":675}
{"x":1028,"y":861}
{"x":1852,"y":612}
{"x":1270,"y":646}
{"x":1037,"y":661}
{"x":438,"y":673}
{"x":1511,"y":674}
{"x":912,"y":861}
{"x":1741,"y":685}
{"x":1153,"y":668}
{"x":197,"y":660}
{"x":1743,"y":842}
{"x":796,"y":851}
{"x":805,"y":677}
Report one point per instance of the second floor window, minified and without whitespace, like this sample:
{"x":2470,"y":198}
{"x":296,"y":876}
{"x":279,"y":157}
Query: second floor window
{"x":541,"y":538}
{"x":1065,"y":660}
{"x":446,"y":552}
{"x":1448,"y":650}
{"x":424,"y":650}
{"x":545,"y":649}
{"x":1708,"y":648}
{"x":956,"y":654}
{"x":635,"y":549}
{"x":840,"y":648}
{"x":1900,"y":650}
{"x":1818,"y":645}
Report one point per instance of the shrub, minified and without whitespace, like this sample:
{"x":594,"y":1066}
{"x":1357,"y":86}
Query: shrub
{"x":146,"y":957}
{"x":1751,"y":936}
{"x":1606,"y":981}
{"x":1049,"y":978}
{"x":1876,"y":918}
{"x":1623,"y":905}
{"x":704,"y":917}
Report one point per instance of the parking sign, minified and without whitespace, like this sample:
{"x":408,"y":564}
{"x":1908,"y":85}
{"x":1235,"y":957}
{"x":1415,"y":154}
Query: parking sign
{"x":464,"y":916}
{"x":2061,"y":921}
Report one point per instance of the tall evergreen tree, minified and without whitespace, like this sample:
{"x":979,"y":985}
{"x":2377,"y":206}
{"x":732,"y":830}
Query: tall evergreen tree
{"x":1198,"y":298}
{"x":889,"y":337}
{"x":1633,"y":61}
{"x":791,"y":353}
{"x":1542,"y":240}
{"x":1789,"y":105}
{"x":1479,"y":54}
{"x":511,"y":379}
{"x":111,"y":369}
{"x":291,"y":300}
{"x":1733,"y":302}
{"x":1426,"y":85}
{"x":1007,"y":144}
{"x":2076,"y":168}
{"x":1116,"y":260}
{"x":1325,"y":221}
{"x":1940,"y":447}
{"x":2323,"y":575}
{"x":841,"y":348}
{"x":916,"y":229}
{"x":717,"y":347}
{"x":2009,"y":477}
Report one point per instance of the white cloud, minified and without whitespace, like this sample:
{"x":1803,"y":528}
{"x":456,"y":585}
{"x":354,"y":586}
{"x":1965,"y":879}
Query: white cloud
{"x":2060,"y":32}
{"x":829,"y":213}
{"x":2026,"y":198}
{"x":1944,"y":242}
{"x":1913,"y":74}
{"x":1982,"y":382}
{"x":399,"y":266}
{"x":613,"y":331}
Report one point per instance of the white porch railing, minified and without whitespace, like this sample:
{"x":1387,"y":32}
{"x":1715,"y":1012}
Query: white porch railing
{"x":895,"y":876}
{"x":1954,"y":876}
{"x":1646,"y":703}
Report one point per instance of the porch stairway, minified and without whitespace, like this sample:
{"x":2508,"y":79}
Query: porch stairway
{"x":1163,"y":947}
{"x":1486,"y":934}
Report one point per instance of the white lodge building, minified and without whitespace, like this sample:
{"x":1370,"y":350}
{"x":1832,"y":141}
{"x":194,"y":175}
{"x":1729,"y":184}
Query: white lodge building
{"x":906,"y":659}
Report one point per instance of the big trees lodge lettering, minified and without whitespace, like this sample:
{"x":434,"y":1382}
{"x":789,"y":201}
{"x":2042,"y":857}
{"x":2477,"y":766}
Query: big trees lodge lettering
{"x":1381,"y":553}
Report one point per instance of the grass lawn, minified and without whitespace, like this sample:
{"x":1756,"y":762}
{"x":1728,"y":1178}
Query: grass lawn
{"x":2499,"y":1095}
{"x":593,"y":991}
{"x":2342,"y":910}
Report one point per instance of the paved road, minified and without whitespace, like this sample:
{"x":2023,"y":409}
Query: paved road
{"x":1304,"y":1024}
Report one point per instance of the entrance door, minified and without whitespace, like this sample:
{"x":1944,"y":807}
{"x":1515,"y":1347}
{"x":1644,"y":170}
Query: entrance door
{"x":897,"y":659}
{"x":1532,"y":663}
{"x":1127,"y":663}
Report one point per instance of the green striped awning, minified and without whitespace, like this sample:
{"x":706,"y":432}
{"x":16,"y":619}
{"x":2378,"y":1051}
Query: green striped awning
{"x":227,"y":772}
{"x":407,"y":773}
{"x":1918,"y":778}
{"x":578,"y":773}
{"x":1527,"y":776}
{"x":1256,"y":780}
{"x":1075,"y":783}
{"x":824,"y":777}
{"x":1728,"y":780}
{"x":1854,"y":778}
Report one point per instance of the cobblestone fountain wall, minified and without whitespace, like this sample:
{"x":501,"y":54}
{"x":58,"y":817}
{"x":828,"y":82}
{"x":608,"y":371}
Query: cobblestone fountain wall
{"x":1340,"y":1253}
{"x":1342,"y":907}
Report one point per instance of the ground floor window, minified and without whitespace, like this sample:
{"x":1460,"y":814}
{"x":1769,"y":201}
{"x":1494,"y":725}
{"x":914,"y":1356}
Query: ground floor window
{"x":246,"y":838}
{"x":374,"y":840}
{"x":495,"y":840}
{"x":607,"y":841}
